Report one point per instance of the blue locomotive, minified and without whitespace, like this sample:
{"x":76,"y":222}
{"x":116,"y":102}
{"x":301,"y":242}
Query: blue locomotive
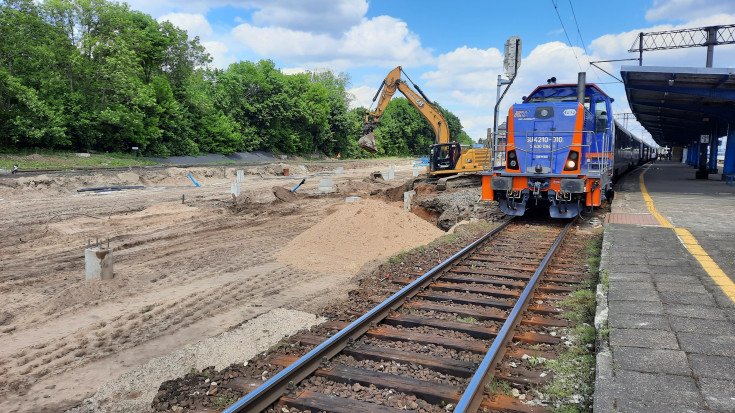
{"x":563,"y":149}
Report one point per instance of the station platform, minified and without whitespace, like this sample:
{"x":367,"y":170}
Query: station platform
{"x":669,"y":257}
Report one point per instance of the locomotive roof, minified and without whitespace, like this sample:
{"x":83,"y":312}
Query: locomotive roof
{"x":563,"y":90}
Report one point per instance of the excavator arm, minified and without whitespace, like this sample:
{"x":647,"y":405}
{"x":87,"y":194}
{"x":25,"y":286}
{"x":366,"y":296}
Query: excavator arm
{"x":387,"y":89}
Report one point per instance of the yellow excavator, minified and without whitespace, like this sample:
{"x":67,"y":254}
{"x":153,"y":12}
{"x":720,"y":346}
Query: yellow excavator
{"x":446,"y":156}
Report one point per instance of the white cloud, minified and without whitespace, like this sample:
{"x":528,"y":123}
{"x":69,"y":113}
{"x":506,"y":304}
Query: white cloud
{"x":194,"y":24}
{"x":466,"y":69}
{"x":320,"y":16}
{"x":361,"y":96}
{"x":284,"y":43}
{"x":615,"y":46}
{"x":219,"y":52}
{"x":687,"y":9}
{"x":293,"y":70}
{"x":381,"y":41}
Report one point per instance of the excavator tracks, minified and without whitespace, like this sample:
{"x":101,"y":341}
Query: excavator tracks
{"x":437,"y":342}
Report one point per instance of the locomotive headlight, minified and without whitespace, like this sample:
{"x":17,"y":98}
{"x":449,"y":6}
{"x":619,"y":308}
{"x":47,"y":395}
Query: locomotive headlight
{"x":512,"y":160}
{"x":571,"y":163}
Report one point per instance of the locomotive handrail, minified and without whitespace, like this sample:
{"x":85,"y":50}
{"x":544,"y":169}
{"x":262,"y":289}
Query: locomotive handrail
{"x":602,"y":163}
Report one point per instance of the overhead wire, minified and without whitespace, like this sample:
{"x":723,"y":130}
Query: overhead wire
{"x":581,"y":40}
{"x":569,"y":41}
{"x":579,"y":32}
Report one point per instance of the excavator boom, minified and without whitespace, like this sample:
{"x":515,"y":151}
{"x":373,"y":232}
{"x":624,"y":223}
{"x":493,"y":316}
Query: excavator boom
{"x":447,"y":157}
{"x":387,"y":89}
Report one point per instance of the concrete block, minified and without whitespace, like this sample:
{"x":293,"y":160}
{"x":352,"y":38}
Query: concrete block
{"x":407,"y":197}
{"x":98,"y":263}
{"x":339,"y":171}
{"x":235,"y":189}
{"x":326,"y":185}
{"x":240,"y":175}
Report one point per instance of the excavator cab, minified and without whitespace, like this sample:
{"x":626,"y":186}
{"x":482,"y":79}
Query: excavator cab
{"x":444,"y":156}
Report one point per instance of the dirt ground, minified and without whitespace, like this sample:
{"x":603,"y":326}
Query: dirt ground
{"x":191,"y":264}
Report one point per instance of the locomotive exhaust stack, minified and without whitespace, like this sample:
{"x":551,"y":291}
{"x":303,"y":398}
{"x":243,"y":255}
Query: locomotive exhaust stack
{"x":581,"y":82}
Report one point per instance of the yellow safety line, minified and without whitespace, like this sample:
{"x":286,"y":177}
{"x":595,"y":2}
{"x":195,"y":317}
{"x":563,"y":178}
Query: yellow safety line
{"x":691,"y":244}
{"x":649,"y":203}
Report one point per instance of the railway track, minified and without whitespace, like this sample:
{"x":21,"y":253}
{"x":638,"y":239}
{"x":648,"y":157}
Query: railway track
{"x":443,"y":334}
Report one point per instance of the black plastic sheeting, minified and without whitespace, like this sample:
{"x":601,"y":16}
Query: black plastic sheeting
{"x":110,"y":188}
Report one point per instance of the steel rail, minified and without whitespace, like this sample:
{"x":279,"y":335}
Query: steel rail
{"x":270,"y":391}
{"x":472,"y":397}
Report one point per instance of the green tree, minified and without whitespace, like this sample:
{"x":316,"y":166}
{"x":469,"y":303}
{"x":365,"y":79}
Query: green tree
{"x":29,"y":114}
{"x":456,"y":132}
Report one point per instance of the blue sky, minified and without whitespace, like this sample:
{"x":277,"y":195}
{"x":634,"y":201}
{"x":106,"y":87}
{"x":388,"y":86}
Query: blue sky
{"x":452,"y":49}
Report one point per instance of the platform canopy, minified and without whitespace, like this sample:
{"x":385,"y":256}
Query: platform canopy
{"x":677,"y":105}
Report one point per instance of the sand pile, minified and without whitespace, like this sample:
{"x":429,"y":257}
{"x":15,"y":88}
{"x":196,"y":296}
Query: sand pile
{"x":355,"y":234}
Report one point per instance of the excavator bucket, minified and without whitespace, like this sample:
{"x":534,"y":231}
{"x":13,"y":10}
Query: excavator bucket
{"x":367,"y":142}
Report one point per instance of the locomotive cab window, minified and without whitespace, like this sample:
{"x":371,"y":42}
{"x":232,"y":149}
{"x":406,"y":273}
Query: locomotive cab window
{"x":600,"y":116}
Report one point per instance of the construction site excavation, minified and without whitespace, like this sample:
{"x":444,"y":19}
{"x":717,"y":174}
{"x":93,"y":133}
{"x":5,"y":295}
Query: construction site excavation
{"x":184,"y":288}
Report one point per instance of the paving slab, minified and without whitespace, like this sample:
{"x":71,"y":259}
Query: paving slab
{"x":696,"y":311}
{"x":716,"y":367}
{"x":702,"y":326}
{"x":635,"y":307}
{"x":671,"y":345}
{"x":658,"y":388}
{"x":679,"y":297}
{"x":636,"y":337}
{"x":647,"y":286}
{"x":647,"y":321}
{"x":652,"y":360}
{"x":718,"y":394}
{"x":637,"y":406}
{"x":690,"y":288}
{"x":633,"y":295}
{"x":628,"y":276}
{"x":630,"y":268}
{"x":715,"y":345}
